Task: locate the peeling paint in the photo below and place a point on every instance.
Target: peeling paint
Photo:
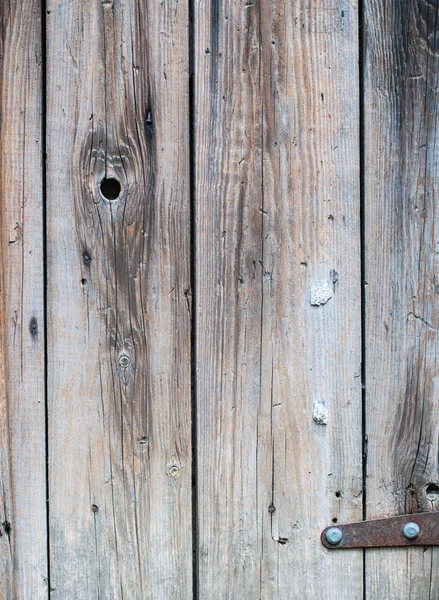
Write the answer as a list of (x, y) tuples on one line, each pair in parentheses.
[(320, 413), (321, 292)]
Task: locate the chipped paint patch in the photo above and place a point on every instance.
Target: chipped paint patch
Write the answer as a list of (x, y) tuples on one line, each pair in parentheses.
[(320, 413), (321, 292)]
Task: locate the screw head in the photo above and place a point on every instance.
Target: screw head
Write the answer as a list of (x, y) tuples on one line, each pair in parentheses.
[(411, 531), (333, 536)]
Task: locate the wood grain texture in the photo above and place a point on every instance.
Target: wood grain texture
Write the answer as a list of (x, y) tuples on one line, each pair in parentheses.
[(23, 539), (402, 274), (278, 297), (119, 292)]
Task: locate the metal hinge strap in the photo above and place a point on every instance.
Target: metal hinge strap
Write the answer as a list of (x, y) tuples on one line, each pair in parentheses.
[(420, 529)]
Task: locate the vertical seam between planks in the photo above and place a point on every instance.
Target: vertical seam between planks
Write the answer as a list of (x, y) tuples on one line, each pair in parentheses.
[(44, 236), (361, 69), (193, 279)]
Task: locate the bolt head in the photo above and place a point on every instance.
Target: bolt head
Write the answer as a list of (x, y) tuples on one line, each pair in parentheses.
[(411, 531), (333, 536)]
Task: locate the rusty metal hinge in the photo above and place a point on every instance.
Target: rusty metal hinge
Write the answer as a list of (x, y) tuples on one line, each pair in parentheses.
[(421, 529)]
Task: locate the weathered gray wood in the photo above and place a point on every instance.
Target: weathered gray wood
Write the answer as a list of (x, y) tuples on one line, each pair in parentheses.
[(402, 261), (278, 297), (118, 289), (23, 540)]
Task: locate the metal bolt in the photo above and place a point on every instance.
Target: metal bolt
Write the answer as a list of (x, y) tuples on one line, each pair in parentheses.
[(124, 362), (333, 536), (411, 531)]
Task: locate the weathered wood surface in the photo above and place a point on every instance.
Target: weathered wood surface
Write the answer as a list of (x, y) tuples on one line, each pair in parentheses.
[(277, 297), (277, 319), (119, 300), (402, 274), (23, 540)]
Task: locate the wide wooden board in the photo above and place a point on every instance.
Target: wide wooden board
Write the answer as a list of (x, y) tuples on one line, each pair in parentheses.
[(278, 297), (119, 297)]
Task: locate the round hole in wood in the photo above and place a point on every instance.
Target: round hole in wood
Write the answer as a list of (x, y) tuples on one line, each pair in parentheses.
[(432, 491), (110, 188)]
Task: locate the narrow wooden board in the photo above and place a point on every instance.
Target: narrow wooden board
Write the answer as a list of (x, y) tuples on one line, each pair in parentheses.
[(402, 274), (23, 539), (119, 297), (278, 297)]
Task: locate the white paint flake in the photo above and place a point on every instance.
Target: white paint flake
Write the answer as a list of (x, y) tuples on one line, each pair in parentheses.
[(321, 292), (320, 413)]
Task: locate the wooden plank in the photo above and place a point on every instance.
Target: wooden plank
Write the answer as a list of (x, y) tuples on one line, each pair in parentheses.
[(278, 297), (119, 292), (23, 542), (402, 274)]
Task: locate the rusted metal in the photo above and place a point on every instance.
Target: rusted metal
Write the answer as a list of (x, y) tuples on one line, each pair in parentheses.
[(387, 532)]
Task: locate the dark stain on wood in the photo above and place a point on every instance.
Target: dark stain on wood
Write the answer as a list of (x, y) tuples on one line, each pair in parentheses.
[(413, 86), (123, 230), (33, 327)]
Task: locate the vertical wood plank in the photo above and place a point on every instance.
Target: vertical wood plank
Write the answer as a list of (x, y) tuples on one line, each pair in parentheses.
[(278, 296), (23, 541), (402, 274), (119, 291)]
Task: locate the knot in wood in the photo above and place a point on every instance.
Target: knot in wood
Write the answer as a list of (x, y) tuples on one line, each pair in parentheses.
[(124, 361), (174, 471)]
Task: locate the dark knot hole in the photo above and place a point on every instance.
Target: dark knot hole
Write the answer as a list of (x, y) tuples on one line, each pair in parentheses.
[(110, 188), (432, 491)]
